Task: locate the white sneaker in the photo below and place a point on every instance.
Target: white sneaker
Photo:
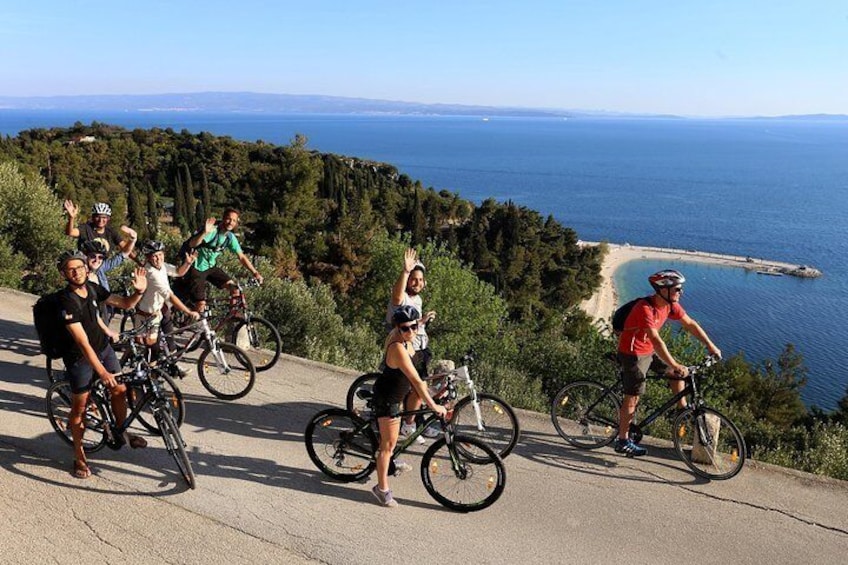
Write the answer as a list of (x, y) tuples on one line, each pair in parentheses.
[(433, 430), (408, 429)]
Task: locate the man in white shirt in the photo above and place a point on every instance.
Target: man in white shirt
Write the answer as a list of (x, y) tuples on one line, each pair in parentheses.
[(158, 292)]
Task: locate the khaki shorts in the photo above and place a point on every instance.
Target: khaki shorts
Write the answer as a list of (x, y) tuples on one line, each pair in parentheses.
[(153, 330), (634, 371)]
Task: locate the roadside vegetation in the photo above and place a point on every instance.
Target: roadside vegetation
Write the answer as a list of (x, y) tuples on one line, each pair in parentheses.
[(328, 233)]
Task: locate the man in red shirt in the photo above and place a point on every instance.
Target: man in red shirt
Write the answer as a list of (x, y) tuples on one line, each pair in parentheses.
[(641, 348)]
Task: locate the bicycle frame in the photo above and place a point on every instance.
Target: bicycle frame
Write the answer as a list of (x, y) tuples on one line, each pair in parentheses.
[(152, 393), (464, 375)]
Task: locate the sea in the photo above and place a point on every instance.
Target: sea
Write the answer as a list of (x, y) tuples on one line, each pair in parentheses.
[(768, 188)]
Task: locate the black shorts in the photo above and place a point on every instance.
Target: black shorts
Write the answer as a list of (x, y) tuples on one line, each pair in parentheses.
[(634, 371), (193, 284), (385, 409), (80, 372)]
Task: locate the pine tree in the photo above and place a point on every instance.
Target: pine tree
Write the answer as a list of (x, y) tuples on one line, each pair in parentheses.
[(190, 200)]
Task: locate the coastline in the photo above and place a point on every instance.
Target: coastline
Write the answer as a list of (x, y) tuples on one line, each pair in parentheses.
[(603, 303)]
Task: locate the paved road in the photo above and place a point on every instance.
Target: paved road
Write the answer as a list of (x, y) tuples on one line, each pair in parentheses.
[(259, 499)]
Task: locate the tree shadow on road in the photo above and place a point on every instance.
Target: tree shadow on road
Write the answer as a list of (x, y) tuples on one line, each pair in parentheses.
[(19, 338)]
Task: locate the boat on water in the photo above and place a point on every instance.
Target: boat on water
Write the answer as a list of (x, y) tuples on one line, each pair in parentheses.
[(771, 273)]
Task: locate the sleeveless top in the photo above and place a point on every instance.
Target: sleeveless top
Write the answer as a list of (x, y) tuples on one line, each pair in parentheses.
[(392, 386)]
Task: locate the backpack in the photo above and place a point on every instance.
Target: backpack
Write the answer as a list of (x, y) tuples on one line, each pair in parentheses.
[(620, 315), (185, 247), (53, 336)]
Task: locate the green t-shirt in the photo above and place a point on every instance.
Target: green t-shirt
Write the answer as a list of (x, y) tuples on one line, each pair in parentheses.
[(213, 245)]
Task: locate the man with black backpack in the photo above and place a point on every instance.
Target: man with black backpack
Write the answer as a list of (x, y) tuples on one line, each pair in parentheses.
[(88, 352), (640, 347), (208, 245)]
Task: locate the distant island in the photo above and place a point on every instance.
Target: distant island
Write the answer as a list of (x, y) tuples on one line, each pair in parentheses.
[(263, 103)]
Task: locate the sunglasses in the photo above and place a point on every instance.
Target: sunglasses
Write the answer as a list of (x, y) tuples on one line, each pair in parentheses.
[(409, 328), (96, 256), (677, 289)]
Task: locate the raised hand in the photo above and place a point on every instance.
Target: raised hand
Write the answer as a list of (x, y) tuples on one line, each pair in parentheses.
[(410, 259), (191, 256), (130, 232), (71, 208), (139, 280), (210, 226)]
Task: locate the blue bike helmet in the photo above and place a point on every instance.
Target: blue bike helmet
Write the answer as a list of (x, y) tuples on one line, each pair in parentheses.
[(405, 314)]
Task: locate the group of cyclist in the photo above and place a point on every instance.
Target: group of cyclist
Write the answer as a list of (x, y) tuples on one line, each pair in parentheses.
[(86, 301), (399, 388)]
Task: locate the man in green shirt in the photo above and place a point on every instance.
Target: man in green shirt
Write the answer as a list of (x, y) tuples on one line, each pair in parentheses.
[(200, 266)]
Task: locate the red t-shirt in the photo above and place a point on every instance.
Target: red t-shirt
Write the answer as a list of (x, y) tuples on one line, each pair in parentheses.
[(634, 339)]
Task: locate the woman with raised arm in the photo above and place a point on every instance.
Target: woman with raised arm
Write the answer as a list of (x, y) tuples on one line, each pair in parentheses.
[(398, 378)]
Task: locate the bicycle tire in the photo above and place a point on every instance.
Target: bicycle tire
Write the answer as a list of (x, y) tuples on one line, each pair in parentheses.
[(175, 445), (355, 404), (232, 382), (55, 370), (459, 483), (341, 444), (722, 451), (584, 415), (260, 340), (58, 408), (173, 398), (501, 428)]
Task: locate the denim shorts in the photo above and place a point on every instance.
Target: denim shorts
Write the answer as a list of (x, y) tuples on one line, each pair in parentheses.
[(80, 373)]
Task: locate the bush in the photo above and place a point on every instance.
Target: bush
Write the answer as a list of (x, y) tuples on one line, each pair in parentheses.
[(31, 223), (310, 327), (11, 264)]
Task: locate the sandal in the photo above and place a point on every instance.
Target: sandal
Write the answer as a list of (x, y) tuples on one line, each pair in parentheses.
[(134, 441), (81, 469)]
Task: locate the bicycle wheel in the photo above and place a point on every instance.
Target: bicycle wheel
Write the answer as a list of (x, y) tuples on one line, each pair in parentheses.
[(459, 483), (173, 397), (58, 406), (585, 414), (341, 444), (500, 425), (359, 395), (175, 445), (55, 370), (228, 373), (260, 340), (709, 443)]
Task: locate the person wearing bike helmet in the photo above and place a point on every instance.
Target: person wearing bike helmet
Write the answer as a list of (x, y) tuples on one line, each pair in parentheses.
[(399, 376), (92, 354), (98, 228), (640, 349), (158, 292), (407, 292)]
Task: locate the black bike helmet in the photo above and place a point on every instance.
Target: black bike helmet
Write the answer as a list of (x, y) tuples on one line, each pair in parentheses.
[(405, 314), (93, 246), (69, 256), (150, 246)]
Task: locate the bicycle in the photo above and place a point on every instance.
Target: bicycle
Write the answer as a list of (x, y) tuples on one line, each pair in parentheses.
[(225, 370), (100, 419), (461, 473), (586, 415), (482, 415), (255, 335), (133, 355)]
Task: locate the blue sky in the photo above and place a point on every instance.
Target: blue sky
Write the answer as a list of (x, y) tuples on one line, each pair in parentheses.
[(709, 58)]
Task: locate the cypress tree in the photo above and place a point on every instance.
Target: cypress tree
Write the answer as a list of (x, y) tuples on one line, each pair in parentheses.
[(190, 200), (152, 213)]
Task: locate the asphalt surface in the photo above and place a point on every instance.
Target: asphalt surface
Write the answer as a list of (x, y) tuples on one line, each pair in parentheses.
[(259, 499)]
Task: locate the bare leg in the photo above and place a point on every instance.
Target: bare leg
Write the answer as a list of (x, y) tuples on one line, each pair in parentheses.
[(389, 428), (625, 415), (78, 402)]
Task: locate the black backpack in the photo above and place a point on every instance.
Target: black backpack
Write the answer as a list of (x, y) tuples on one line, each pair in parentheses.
[(620, 315), (53, 336)]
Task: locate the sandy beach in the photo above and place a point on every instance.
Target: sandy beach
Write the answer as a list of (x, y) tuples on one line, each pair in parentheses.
[(603, 303)]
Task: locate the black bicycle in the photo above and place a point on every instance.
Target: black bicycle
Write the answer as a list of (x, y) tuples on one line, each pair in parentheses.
[(484, 416), (586, 415), (462, 473), (100, 423)]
